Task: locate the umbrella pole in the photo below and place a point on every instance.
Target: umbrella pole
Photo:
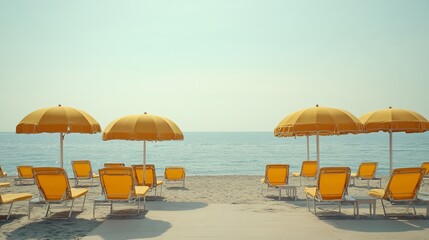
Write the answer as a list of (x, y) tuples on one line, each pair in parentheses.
[(61, 149), (308, 149), (144, 162), (318, 154), (390, 152)]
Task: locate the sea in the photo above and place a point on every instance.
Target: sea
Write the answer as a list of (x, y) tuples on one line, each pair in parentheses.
[(215, 153)]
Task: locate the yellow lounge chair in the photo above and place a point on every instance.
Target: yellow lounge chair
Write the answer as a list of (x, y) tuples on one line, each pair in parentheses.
[(308, 170), (119, 186), (331, 187), (25, 174), (174, 174), (10, 198), (366, 171), (83, 171), (276, 176), (403, 187), (2, 173), (4, 184), (114, 165), (54, 188), (151, 180)]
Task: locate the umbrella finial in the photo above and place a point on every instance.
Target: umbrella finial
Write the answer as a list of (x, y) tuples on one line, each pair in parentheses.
[(59, 105), (390, 107), (145, 112), (317, 105)]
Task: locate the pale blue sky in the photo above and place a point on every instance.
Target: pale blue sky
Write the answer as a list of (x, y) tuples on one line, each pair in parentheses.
[(224, 65)]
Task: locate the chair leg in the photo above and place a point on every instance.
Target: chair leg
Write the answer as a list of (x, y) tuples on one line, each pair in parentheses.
[(47, 210), (29, 209), (384, 209), (10, 209), (93, 210), (315, 206), (71, 208), (414, 208), (83, 204)]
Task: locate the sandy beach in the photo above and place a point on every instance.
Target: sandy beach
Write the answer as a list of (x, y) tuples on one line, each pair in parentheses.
[(244, 191)]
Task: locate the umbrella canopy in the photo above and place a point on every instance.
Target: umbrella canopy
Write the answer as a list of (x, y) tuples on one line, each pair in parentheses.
[(394, 120), (318, 121), (59, 119), (144, 127)]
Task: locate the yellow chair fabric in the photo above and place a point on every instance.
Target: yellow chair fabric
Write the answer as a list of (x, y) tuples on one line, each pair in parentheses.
[(331, 187), (2, 173), (54, 188), (150, 180), (308, 170), (10, 198), (119, 186), (275, 175), (366, 171), (82, 170), (174, 174), (114, 165), (25, 174), (403, 186)]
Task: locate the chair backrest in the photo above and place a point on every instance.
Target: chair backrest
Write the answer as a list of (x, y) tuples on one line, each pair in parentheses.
[(82, 168), (309, 168), (174, 173), (114, 165), (332, 183), (425, 165), (2, 174), (404, 183), (277, 174), (25, 172), (150, 175), (117, 183), (53, 183), (367, 170)]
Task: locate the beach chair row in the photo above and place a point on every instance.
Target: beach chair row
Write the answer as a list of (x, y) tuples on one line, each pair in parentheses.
[(333, 182), (119, 184)]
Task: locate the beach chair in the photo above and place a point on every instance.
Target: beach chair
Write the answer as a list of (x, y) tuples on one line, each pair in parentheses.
[(366, 171), (331, 188), (4, 184), (119, 186), (425, 165), (114, 165), (175, 174), (2, 173), (11, 198), (403, 187), (308, 170), (151, 180), (54, 188), (83, 171), (276, 176), (25, 175)]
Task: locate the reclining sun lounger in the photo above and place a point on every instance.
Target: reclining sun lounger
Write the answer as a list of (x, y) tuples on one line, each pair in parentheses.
[(82, 170), (403, 187), (119, 186), (54, 188), (331, 187)]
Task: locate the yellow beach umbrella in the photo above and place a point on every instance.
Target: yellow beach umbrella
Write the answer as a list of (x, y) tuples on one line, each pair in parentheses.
[(394, 120), (144, 127), (59, 119), (318, 121)]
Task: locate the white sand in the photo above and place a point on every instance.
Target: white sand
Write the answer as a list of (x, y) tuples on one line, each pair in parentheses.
[(239, 190)]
